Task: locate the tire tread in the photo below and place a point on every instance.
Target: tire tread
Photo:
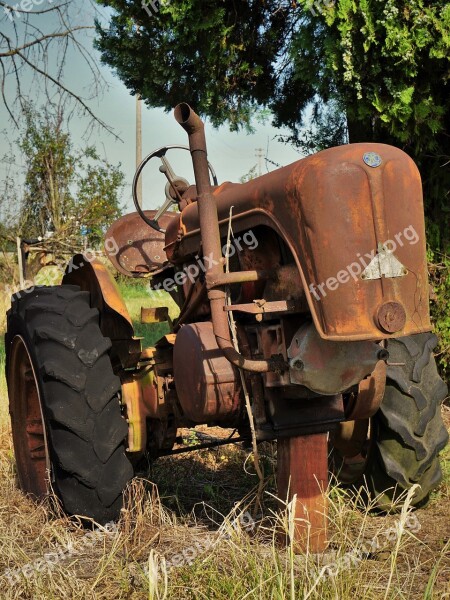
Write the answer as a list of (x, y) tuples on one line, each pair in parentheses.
[(80, 396)]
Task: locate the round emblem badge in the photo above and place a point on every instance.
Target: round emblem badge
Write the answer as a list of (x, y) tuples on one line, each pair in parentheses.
[(372, 159)]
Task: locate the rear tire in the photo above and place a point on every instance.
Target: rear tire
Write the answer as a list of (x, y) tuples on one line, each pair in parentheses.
[(407, 432), (66, 418)]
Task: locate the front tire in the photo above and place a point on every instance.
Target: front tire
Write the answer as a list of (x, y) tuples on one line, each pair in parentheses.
[(67, 426), (407, 433)]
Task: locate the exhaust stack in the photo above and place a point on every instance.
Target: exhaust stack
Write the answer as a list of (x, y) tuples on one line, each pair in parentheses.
[(216, 279)]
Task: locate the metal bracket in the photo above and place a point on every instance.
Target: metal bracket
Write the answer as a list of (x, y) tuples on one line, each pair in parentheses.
[(259, 307)]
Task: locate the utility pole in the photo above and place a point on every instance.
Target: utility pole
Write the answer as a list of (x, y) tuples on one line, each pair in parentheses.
[(139, 135), (139, 144), (20, 260), (259, 155)]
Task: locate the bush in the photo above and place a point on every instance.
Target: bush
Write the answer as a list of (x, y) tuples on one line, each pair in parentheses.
[(9, 272), (439, 268)]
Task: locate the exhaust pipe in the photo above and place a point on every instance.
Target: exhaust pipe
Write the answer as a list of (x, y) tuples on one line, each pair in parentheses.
[(211, 246), (207, 208)]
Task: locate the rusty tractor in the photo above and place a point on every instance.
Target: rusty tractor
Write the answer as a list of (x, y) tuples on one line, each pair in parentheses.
[(304, 318)]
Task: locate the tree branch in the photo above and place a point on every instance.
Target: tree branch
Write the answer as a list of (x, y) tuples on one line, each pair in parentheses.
[(5, 102), (10, 8), (69, 92), (40, 40), (42, 45)]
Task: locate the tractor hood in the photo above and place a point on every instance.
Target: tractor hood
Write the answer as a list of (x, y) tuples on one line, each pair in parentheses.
[(353, 219)]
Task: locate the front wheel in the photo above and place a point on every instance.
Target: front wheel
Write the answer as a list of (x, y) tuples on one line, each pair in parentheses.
[(68, 430), (401, 444)]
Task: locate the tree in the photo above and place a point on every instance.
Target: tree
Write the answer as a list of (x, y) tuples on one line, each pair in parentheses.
[(388, 61), (217, 55), (98, 195), (368, 70), (67, 192), (37, 44), (379, 69), (47, 203)]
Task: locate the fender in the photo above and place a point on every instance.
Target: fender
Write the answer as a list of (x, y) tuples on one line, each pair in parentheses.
[(115, 322), (338, 215)]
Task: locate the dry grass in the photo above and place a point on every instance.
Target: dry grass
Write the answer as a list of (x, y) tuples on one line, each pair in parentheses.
[(4, 306), (196, 522), (131, 563)]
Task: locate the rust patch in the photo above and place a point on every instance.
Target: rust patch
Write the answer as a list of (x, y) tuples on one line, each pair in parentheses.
[(391, 317), (332, 210), (370, 394), (138, 249), (207, 384)]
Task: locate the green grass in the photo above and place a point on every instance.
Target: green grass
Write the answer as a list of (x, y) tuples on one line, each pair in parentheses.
[(442, 493), (139, 295)]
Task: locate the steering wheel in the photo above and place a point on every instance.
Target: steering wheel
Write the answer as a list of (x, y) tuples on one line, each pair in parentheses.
[(173, 186)]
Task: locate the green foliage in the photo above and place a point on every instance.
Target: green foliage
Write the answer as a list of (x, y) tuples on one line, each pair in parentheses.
[(392, 64), (386, 61), (219, 56), (439, 267), (327, 128), (98, 198), (65, 188), (50, 170)]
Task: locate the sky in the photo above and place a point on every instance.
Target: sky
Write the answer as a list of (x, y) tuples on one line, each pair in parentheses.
[(231, 154)]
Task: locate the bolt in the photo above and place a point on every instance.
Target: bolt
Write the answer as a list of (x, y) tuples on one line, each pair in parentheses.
[(383, 354), (297, 364)]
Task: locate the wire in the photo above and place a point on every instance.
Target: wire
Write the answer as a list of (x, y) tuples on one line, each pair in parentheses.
[(248, 406)]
